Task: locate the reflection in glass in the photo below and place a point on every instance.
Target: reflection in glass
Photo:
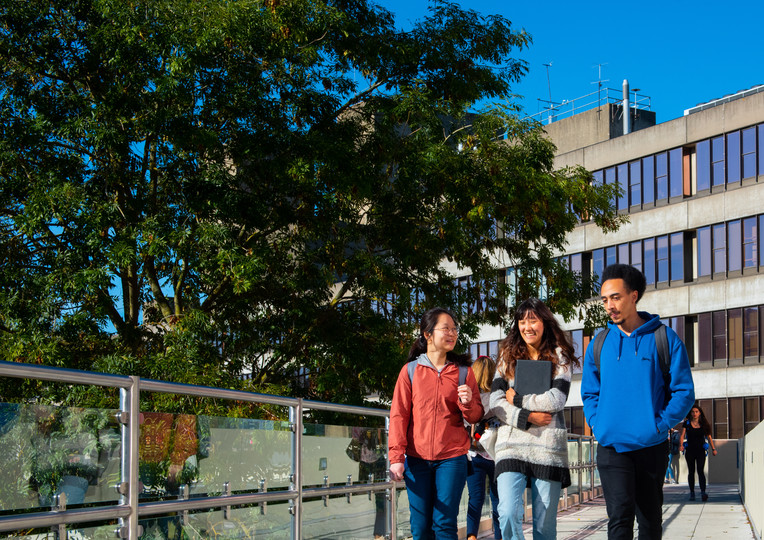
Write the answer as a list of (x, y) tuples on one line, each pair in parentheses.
[(47, 450)]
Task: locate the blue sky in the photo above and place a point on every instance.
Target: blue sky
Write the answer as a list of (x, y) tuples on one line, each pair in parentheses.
[(680, 54)]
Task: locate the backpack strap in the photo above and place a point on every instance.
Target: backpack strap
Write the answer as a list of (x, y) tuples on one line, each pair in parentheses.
[(661, 343), (411, 366), (599, 340)]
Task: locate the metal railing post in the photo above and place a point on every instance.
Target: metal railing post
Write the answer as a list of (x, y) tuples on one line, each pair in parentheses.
[(392, 506), (295, 421)]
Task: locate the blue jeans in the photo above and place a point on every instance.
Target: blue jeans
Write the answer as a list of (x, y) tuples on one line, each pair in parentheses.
[(483, 469), (545, 498), (435, 489)]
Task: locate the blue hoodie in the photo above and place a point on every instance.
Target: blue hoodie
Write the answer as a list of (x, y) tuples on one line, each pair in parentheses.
[(624, 399)]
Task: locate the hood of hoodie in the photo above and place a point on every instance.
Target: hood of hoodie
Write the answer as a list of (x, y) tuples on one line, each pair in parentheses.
[(635, 338)]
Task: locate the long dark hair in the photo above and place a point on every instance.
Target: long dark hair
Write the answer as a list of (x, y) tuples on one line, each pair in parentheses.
[(513, 347), (702, 420), (426, 326)]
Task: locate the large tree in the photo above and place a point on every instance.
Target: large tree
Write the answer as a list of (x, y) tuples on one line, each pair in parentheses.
[(196, 189)]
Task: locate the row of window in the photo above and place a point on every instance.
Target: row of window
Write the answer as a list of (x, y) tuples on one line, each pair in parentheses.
[(681, 172), (721, 338), (730, 418), (723, 249)]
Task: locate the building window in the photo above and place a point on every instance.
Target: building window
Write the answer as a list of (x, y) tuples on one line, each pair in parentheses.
[(751, 334), (676, 173), (648, 180), (761, 241), (733, 157), (761, 147), (611, 179), (735, 334), (749, 153), (703, 165), (734, 246), (636, 255), (661, 176), (719, 332), (717, 161), (623, 253), (719, 246), (752, 413), (662, 258), (677, 256), (705, 341), (749, 243), (704, 251), (611, 256), (622, 172), (598, 264), (649, 260), (577, 339), (720, 418), (736, 418), (635, 183)]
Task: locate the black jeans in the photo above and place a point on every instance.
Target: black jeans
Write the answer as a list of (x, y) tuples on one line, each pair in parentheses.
[(633, 487), (696, 461)]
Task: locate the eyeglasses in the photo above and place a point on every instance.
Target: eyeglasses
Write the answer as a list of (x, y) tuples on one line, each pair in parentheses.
[(449, 330)]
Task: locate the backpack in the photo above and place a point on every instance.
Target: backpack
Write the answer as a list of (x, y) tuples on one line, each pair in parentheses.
[(661, 343), (674, 449)]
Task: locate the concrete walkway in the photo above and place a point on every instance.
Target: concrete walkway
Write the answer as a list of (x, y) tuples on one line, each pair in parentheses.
[(722, 516)]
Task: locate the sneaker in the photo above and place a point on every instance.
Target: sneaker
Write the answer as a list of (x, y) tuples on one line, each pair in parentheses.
[(704, 496), (692, 496)]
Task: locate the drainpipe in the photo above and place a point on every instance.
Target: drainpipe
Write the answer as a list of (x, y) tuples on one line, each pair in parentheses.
[(626, 112)]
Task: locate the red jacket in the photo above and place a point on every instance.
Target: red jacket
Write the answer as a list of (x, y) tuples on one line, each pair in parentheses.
[(431, 425)]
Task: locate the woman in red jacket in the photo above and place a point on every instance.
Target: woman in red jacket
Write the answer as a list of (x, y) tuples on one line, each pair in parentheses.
[(428, 443)]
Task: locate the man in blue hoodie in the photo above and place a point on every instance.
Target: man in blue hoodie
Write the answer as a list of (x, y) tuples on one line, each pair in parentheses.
[(629, 407)]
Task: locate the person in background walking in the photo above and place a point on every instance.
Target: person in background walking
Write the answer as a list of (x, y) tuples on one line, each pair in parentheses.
[(532, 442), (672, 470), (427, 441), (695, 440), (482, 463)]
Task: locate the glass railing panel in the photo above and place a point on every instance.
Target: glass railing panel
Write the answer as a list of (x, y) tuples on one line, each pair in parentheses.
[(339, 519), (403, 515), (238, 523), (46, 450), (206, 452), (333, 453)]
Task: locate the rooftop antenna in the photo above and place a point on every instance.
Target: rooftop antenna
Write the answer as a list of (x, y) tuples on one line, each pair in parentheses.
[(599, 82), (549, 87)]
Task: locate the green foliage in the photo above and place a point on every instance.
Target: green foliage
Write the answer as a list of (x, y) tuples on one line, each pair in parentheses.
[(264, 187)]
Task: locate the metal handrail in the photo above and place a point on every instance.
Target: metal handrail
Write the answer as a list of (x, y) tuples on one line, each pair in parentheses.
[(130, 509)]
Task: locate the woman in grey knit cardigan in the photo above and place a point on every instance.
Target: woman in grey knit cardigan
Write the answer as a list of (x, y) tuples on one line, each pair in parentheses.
[(532, 442)]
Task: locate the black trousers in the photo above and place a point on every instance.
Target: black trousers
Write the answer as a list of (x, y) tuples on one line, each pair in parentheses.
[(696, 461), (633, 487)]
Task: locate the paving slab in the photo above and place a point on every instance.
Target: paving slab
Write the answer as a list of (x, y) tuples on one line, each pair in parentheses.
[(722, 516)]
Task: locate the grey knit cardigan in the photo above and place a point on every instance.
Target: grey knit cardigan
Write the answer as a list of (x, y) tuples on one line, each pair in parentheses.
[(536, 451)]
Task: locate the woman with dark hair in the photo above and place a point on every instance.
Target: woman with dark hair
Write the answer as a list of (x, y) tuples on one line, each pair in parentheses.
[(427, 441), (695, 440), (484, 369), (532, 444)]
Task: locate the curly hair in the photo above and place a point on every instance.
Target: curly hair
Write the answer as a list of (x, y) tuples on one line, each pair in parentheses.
[(513, 347)]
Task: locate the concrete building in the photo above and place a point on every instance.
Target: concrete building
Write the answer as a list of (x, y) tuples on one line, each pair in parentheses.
[(693, 189)]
